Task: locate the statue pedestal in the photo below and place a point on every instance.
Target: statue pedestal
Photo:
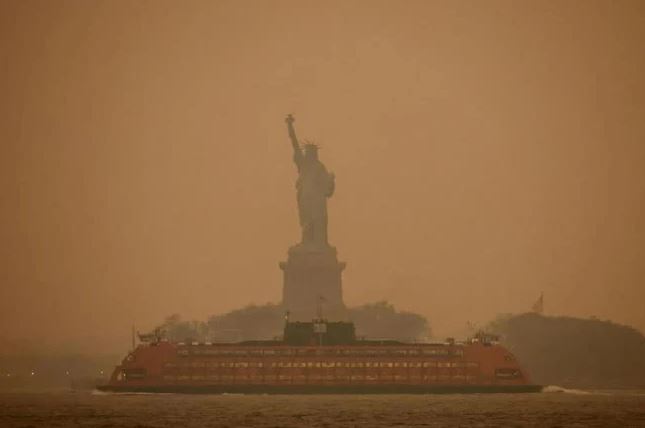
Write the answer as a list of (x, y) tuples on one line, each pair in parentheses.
[(312, 273)]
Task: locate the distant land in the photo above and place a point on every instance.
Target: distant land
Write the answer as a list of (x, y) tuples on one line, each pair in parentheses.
[(574, 352), (373, 320)]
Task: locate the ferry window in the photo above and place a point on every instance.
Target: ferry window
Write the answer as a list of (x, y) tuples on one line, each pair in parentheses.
[(137, 373), (413, 352), (435, 351), (310, 364), (507, 373)]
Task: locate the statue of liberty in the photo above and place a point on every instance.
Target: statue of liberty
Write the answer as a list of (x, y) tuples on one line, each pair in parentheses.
[(314, 186)]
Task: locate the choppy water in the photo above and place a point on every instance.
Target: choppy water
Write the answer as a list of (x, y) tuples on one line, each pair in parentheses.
[(556, 408)]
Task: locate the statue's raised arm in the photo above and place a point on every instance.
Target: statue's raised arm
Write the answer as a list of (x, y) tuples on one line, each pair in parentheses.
[(297, 151), (313, 187)]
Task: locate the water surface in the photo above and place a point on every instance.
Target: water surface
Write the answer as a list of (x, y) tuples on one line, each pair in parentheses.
[(557, 408)]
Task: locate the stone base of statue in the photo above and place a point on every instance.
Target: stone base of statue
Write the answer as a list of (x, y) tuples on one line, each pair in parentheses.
[(312, 283)]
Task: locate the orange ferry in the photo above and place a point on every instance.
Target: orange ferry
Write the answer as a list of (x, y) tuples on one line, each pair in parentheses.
[(320, 357)]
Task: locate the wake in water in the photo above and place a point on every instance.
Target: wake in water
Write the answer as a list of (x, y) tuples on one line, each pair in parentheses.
[(556, 388)]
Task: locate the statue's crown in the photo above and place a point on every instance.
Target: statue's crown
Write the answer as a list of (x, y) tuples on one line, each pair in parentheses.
[(310, 145)]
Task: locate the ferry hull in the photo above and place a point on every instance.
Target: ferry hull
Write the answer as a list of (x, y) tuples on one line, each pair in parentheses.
[(322, 389)]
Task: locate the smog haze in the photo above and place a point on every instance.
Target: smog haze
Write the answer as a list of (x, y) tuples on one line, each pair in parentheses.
[(484, 152)]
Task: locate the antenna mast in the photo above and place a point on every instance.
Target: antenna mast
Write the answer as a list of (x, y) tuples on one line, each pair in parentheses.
[(133, 339)]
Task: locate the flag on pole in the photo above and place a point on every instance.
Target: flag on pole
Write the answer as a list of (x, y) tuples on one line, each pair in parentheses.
[(538, 306)]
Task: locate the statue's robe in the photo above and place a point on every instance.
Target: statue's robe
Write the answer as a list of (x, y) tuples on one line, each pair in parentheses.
[(314, 186)]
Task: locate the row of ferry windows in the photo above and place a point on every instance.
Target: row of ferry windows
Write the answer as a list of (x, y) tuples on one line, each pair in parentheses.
[(198, 350), (283, 377), (323, 364)]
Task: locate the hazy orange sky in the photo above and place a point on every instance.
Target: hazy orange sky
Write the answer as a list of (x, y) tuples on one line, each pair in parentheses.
[(484, 151)]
